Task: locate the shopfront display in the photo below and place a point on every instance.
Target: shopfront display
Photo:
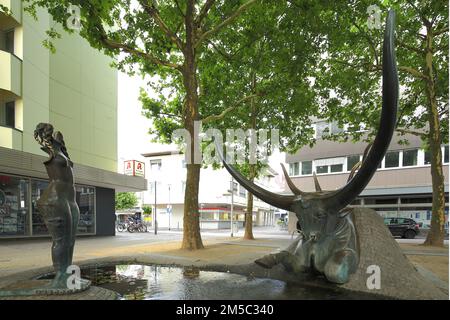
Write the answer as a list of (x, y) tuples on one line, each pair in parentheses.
[(19, 216), (14, 217)]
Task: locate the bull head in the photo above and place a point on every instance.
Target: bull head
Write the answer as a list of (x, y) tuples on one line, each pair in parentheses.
[(320, 210)]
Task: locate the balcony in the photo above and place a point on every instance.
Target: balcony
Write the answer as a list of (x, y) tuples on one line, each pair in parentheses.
[(10, 138), (11, 75), (15, 6)]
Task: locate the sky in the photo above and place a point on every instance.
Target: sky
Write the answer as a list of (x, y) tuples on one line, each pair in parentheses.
[(133, 137)]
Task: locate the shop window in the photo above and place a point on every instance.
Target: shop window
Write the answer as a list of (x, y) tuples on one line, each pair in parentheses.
[(352, 161), (37, 188), (14, 218), (409, 158), (85, 197), (306, 167), (391, 160)]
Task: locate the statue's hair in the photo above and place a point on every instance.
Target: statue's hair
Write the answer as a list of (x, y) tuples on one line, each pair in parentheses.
[(58, 136)]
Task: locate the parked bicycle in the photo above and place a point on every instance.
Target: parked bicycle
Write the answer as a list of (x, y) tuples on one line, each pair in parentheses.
[(122, 226), (137, 226)]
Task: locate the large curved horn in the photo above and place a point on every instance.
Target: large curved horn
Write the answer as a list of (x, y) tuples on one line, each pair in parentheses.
[(290, 184), (316, 182), (276, 200), (351, 190), (358, 165)]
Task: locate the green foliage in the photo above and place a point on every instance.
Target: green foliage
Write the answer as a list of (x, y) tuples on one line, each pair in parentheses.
[(147, 209), (5, 10), (348, 75), (126, 200)]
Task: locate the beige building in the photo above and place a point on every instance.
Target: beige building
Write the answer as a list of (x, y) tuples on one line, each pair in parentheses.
[(74, 89), (401, 187)]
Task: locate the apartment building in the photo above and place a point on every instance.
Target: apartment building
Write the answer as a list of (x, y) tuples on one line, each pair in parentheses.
[(76, 91), (167, 171), (401, 187)]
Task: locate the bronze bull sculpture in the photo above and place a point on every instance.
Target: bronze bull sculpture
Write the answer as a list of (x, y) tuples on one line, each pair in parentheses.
[(329, 243)]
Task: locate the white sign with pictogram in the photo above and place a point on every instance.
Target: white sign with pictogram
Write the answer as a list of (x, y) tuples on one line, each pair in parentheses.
[(134, 168)]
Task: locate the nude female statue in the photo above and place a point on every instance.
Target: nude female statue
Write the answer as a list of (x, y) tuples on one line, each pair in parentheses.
[(57, 203)]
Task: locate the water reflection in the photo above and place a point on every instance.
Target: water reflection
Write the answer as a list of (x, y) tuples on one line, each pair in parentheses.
[(142, 282)]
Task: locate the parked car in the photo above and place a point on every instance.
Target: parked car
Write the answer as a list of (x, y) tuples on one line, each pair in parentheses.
[(402, 227)]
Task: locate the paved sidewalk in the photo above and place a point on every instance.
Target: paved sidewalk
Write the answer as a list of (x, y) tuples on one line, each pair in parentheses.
[(22, 255)]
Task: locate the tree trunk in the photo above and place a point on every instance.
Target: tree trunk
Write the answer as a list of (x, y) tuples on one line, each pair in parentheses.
[(192, 239), (248, 234), (436, 235)]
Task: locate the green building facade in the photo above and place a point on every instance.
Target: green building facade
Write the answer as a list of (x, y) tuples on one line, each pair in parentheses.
[(74, 89)]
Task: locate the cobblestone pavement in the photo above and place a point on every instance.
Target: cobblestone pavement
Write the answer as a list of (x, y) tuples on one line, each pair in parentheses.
[(93, 293)]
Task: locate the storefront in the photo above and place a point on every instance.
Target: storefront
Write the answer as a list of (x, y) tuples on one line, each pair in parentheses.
[(19, 216), (23, 178)]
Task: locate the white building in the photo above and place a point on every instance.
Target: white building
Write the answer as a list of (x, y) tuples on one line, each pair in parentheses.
[(168, 169)]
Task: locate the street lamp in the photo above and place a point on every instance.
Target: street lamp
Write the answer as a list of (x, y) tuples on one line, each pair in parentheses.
[(156, 222), (230, 193), (232, 204), (169, 207)]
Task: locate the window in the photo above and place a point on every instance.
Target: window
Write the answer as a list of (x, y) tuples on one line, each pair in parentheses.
[(409, 158), (427, 157), (293, 169), (8, 114), (391, 160), (183, 163), (446, 154), (155, 165), (321, 129), (427, 154), (235, 188), (336, 168), (85, 197), (37, 188), (14, 218), (335, 129), (306, 167), (351, 162), (322, 169), (242, 192), (9, 41)]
